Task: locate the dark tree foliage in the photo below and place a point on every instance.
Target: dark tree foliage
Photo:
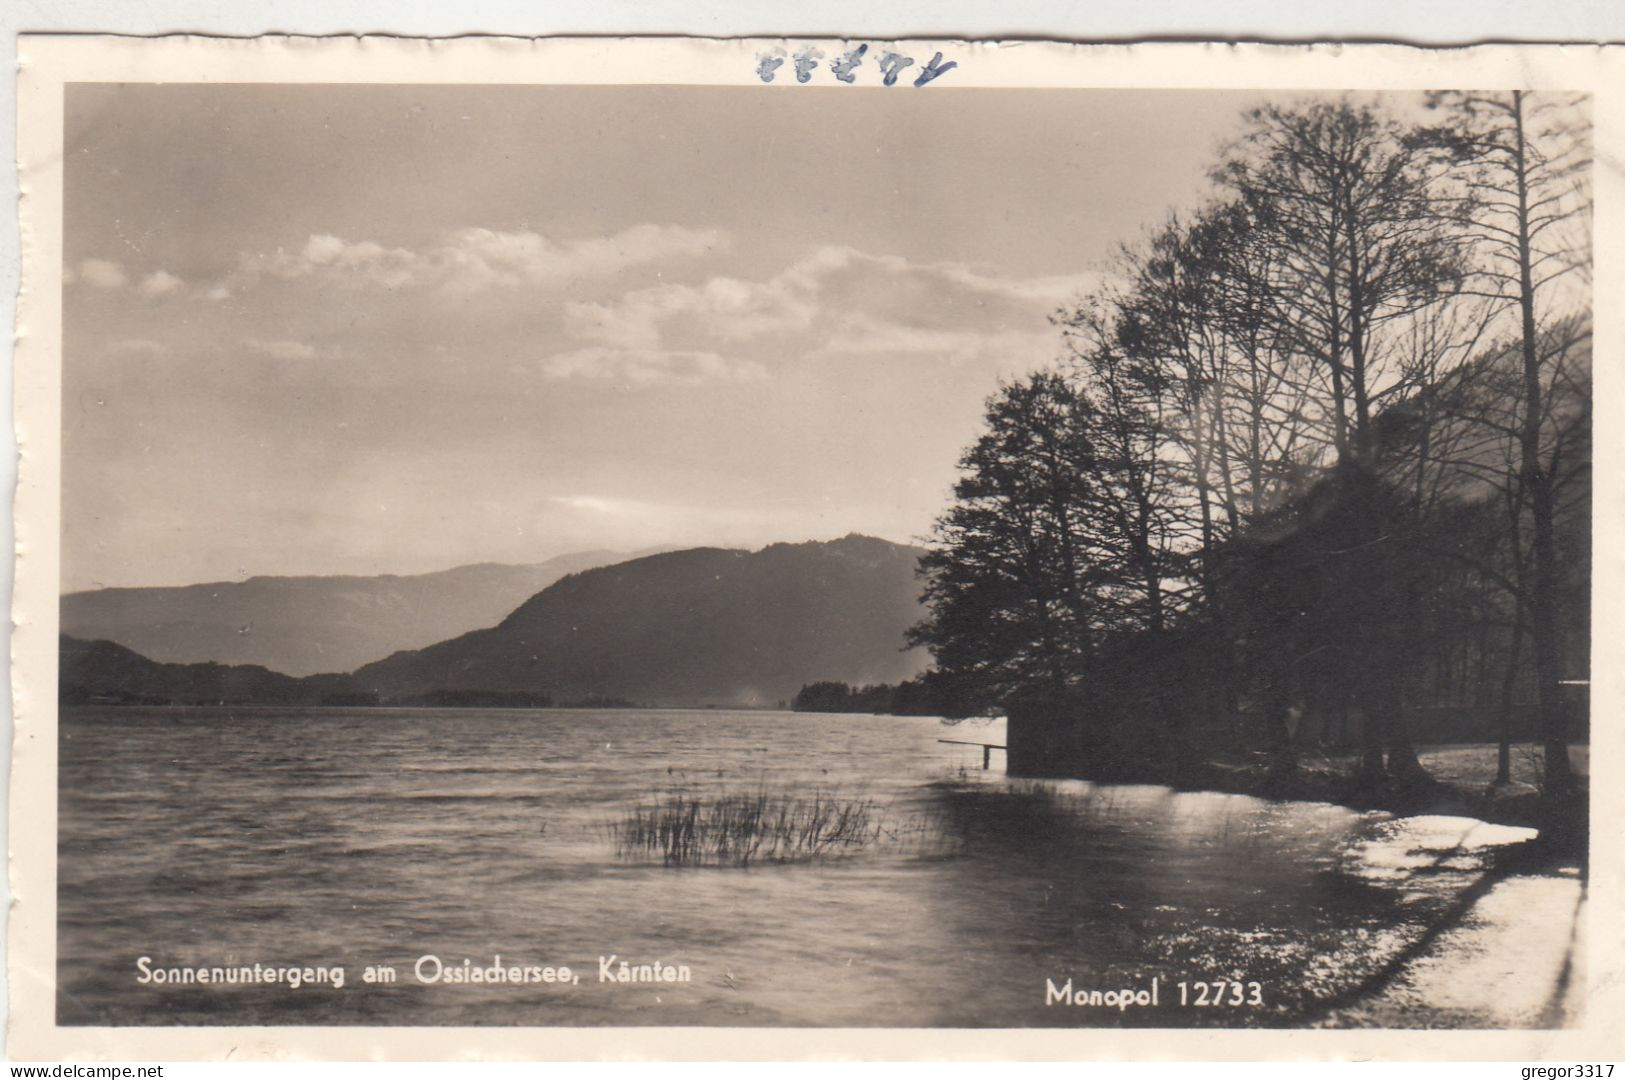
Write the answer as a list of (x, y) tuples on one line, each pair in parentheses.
[(1058, 540), (928, 695), (1315, 460), (1005, 582)]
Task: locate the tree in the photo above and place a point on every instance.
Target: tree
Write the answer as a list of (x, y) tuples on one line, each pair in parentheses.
[(1485, 412), (1349, 206), (1060, 536), (1524, 162), (1007, 575), (1324, 442), (1264, 414), (1138, 510), (1197, 328), (1170, 330)]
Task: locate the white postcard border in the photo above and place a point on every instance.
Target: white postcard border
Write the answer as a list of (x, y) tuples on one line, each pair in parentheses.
[(49, 62)]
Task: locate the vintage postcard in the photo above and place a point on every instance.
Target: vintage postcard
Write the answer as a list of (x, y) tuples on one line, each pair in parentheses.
[(772, 548)]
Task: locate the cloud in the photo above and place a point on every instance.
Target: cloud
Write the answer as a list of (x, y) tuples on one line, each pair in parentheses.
[(728, 308), (672, 519), (1013, 351), (1054, 290), (351, 262), (102, 273), (283, 350), (476, 259), (158, 283), (605, 505), (642, 367), (837, 299), (107, 274)]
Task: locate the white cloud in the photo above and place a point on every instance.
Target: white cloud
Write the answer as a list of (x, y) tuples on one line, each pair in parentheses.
[(1054, 290), (107, 274), (642, 367), (838, 299), (158, 283), (283, 350), (102, 273), (1011, 351), (605, 505), (672, 519), (476, 259), (724, 307), (356, 263)]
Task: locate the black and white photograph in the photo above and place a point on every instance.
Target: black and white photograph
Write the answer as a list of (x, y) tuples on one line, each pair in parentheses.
[(847, 548)]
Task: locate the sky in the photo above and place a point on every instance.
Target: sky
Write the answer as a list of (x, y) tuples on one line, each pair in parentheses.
[(392, 329)]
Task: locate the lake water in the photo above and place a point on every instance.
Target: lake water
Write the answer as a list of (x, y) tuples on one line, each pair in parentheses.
[(216, 838)]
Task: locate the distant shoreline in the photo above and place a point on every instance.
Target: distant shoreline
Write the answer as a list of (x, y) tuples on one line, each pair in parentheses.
[(86, 705)]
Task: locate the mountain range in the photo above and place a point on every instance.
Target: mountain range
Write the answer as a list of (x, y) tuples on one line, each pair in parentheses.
[(92, 672), (306, 625), (703, 626)]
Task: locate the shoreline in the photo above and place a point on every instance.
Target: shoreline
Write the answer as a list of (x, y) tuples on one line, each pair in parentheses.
[(1460, 782)]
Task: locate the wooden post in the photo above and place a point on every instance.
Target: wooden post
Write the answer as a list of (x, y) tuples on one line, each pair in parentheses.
[(987, 749)]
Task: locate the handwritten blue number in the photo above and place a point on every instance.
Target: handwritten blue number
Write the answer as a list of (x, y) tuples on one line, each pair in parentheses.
[(935, 68), (891, 64), (766, 66), (806, 60), (844, 67)]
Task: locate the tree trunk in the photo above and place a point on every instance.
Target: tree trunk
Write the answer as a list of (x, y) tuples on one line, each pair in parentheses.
[(1400, 685), (1509, 684), (1277, 703), (1357, 345), (1403, 763), (1372, 769), (1340, 423), (1543, 598)]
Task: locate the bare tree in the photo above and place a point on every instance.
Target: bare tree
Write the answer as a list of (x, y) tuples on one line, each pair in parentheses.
[(1524, 164), (1349, 205)]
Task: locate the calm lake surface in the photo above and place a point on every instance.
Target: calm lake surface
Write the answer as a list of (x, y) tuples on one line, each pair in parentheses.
[(357, 838)]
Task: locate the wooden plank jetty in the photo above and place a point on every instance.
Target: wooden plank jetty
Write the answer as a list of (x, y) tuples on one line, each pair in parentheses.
[(987, 748)]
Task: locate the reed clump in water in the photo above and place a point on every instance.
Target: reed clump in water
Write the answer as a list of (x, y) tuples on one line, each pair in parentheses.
[(687, 828)]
